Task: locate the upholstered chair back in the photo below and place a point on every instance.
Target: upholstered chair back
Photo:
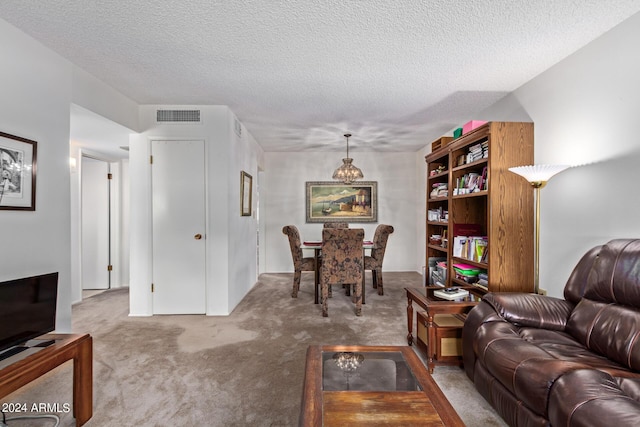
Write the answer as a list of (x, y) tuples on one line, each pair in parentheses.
[(380, 238), (336, 225), (342, 262), (294, 243)]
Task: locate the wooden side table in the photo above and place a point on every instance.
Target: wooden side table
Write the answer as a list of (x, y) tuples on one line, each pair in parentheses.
[(449, 315), (447, 340), (78, 348)]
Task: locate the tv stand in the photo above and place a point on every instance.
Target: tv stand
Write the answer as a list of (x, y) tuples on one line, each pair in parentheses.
[(33, 343), (65, 347)]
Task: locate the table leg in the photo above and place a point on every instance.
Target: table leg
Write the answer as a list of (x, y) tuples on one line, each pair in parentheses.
[(83, 382), (431, 343), (316, 259), (410, 320)]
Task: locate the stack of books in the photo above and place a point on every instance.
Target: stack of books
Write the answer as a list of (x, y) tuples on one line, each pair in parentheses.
[(478, 151), (483, 280), (440, 189), (467, 272), (439, 274)]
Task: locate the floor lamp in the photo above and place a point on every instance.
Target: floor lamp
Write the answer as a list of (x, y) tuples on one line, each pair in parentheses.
[(538, 176)]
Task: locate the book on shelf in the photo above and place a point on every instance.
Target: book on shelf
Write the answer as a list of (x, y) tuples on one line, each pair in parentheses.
[(462, 229), (451, 294), (470, 247)]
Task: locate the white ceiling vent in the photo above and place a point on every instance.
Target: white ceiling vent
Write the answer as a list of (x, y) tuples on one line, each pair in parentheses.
[(178, 116)]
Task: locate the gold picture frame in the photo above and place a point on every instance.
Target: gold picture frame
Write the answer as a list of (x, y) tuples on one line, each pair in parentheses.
[(328, 201), (246, 184)]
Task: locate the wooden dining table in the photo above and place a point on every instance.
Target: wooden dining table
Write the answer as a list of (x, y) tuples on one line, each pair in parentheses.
[(316, 246)]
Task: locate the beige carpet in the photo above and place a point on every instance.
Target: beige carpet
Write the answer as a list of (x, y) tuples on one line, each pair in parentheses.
[(246, 369)]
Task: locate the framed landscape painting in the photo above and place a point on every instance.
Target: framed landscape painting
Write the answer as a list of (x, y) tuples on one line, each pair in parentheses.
[(338, 202), (17, 173)]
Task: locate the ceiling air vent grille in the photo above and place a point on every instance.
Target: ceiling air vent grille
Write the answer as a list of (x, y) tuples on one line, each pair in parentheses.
[(178, 116)]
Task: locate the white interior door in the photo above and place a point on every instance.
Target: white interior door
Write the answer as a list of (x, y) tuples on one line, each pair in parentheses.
[(178, 191), (95, 224)]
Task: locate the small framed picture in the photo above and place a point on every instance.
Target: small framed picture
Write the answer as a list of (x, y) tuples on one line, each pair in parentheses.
[(246, 182), (17, 173)]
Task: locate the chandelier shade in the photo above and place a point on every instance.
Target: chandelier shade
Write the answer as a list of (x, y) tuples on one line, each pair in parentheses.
[(347, 172)]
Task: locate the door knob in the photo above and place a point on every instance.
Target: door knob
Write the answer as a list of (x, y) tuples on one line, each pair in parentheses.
[(198, 236)]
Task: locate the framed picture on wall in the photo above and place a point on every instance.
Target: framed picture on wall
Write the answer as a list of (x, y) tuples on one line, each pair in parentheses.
[(337, 202), (17, 173), (246, 182)]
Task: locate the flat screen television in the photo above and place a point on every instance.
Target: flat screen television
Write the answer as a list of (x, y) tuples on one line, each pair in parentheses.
[(27, 308)]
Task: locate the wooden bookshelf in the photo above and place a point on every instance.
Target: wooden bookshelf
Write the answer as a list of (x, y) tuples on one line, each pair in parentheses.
[(501, 205)]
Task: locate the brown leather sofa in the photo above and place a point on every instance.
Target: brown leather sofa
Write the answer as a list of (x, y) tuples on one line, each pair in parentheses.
[(543, 361)]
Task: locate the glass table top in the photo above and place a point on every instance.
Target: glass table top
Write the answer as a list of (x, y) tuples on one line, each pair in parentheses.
[(367, 371)]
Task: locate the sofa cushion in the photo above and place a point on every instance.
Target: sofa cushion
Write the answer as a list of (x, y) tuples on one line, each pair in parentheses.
[(587, 397), (527, 361), (610, 330)]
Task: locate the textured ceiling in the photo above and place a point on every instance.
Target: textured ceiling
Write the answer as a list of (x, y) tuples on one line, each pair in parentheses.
[(397, 74)]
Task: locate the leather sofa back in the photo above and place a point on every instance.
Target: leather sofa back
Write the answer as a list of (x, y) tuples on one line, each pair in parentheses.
[(607, 318), (575, 287)]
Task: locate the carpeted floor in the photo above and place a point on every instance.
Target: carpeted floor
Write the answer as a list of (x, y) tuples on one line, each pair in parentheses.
[(245, 369)]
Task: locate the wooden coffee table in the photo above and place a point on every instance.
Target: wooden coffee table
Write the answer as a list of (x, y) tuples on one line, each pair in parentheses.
[(373, 386)]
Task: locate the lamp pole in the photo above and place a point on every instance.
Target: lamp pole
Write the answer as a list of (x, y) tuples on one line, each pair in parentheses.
[(537, 176), (537, 186)]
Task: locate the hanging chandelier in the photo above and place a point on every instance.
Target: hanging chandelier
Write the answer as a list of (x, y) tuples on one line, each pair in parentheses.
[(347, 172)]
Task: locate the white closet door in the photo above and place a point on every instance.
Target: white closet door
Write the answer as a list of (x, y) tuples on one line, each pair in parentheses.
[(178, 181), (95, 224)]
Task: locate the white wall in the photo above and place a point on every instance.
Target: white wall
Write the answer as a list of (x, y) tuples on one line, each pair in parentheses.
[(585, 111), (283, 198), (35, 102), (231, 240)]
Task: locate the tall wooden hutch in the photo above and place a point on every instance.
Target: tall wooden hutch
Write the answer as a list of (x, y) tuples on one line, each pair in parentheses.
[(470, 190)]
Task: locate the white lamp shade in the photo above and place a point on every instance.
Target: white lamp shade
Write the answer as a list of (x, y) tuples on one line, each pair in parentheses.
[(538, 173)]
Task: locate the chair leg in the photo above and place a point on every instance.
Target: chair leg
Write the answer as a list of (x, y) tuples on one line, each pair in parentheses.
[(374, 279), (363, 288), (379, 281), (358, 297), (297, 275), (325, 294)]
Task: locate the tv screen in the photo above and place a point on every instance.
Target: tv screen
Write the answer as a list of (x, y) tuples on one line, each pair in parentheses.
[(27, 308)]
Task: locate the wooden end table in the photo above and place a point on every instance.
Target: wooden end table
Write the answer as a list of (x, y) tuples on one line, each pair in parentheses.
[(433, 306), (382, 385), (78, 348)]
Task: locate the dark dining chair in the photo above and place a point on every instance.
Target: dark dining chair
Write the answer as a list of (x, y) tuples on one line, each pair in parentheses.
[(374, 262), (342, 263), (300, 263), (336, 225)]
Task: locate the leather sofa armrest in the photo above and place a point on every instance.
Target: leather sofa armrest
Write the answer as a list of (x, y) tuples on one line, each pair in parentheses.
[(531, 310)]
